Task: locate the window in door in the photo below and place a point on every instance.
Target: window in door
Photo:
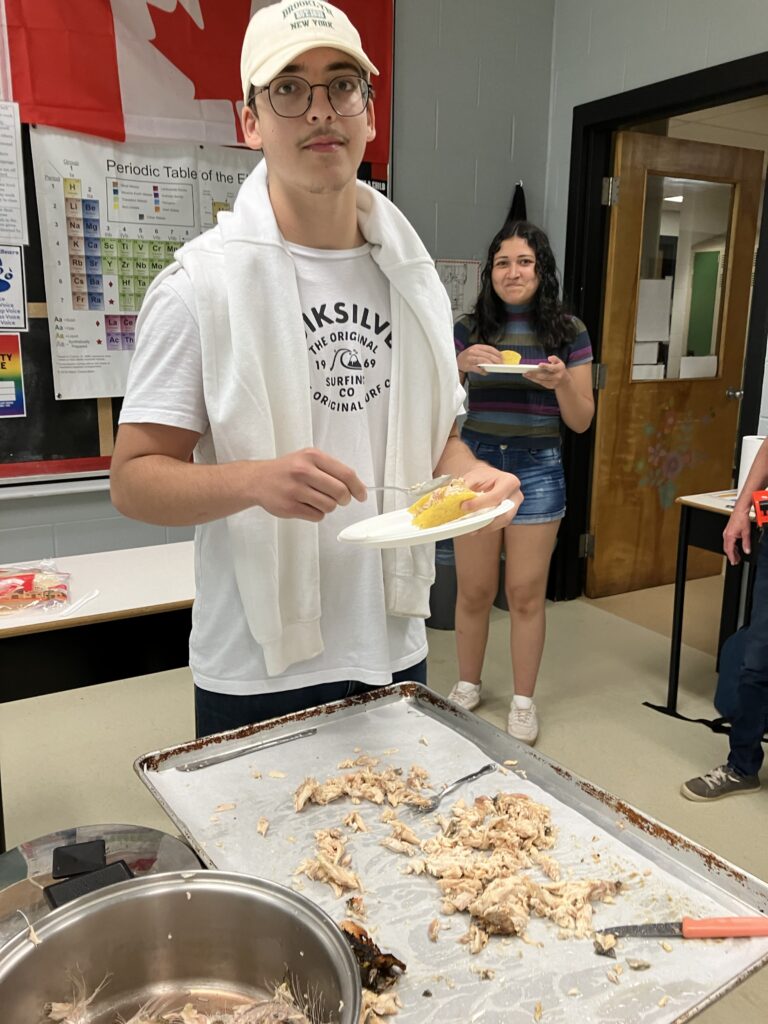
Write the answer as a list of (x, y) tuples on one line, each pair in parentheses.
[(683, 253)]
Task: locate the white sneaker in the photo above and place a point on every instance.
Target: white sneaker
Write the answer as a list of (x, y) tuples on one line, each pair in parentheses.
[(466, 695), (523, 723)]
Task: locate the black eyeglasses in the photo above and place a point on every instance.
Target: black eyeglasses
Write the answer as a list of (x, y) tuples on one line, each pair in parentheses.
[(290, 96)]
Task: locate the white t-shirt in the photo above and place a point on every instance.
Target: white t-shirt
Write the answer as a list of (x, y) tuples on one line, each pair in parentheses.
[(346, 310)]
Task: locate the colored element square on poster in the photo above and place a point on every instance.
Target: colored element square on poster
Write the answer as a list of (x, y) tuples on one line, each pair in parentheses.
[(11, 377)]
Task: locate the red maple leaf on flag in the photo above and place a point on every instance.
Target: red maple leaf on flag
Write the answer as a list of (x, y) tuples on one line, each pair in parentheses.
[(208, 56)]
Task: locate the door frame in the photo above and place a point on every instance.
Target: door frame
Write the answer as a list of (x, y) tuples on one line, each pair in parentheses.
[(584, 265)]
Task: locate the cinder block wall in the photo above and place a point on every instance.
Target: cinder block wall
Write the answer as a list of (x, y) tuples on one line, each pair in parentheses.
[(72, 524), (471, 108)]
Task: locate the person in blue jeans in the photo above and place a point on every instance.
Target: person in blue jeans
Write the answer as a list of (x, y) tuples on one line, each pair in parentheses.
[(513, 423), (740, 773)]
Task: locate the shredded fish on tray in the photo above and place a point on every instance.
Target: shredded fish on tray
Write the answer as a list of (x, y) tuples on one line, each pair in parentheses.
[(332, 862), (480, 856), (376, 1006), (477, 857), (387, 785)]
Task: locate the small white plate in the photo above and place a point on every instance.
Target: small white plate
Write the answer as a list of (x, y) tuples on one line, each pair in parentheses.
[(396, 529), (507, 368)]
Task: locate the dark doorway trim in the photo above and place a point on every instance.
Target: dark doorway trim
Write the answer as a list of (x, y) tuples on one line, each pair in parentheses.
[(585, 250)]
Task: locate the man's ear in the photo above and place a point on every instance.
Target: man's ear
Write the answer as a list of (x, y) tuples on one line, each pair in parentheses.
[(251, 128), (371, 116)]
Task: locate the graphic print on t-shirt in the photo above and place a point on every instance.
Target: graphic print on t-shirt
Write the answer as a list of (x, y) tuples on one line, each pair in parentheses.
[(349, 346)]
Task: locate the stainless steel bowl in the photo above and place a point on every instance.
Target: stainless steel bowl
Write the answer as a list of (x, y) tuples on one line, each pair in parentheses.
[(219, 933)]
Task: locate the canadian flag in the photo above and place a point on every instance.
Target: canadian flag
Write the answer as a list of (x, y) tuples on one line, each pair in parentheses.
[(149, 69)]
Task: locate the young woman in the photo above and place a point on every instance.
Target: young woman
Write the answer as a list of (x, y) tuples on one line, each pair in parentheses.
[(514, 423)]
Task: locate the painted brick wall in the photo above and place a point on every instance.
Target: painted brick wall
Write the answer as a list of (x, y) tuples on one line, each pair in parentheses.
[(72, 524), (471, 105)]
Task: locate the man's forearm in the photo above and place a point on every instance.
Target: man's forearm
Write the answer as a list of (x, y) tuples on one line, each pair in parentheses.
[(456, 459), (165, 491)]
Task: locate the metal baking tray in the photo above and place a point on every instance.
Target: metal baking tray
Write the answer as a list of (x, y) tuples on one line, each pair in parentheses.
[(218, 788)]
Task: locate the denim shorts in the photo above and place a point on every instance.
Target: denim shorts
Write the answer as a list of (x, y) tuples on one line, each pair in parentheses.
[(540, 471)]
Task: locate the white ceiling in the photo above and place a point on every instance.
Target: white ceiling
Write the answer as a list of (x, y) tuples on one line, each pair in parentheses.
[(736, 124)]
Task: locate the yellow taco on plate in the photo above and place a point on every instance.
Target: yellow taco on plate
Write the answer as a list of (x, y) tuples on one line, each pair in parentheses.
[(441, 505), (510, 357)]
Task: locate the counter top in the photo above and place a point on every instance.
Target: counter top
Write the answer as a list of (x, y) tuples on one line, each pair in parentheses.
[(114, 585), (714, 501)]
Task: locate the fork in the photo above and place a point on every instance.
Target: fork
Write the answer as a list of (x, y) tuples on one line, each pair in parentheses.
[(433, 801), (415, 490)]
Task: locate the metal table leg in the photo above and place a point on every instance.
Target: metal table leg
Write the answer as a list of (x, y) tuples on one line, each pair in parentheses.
[(677, 613)]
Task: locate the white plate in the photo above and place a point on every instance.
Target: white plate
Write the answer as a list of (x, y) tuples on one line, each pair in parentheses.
[(506, 368), (396, 529)]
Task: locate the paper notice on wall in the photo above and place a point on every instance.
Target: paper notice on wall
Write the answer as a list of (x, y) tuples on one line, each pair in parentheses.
[(11, 377), (13, 206), (13, 293), (461, 279), (111, 218)]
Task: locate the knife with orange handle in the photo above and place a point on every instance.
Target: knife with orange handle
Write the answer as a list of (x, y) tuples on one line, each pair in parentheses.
[(693, 928)]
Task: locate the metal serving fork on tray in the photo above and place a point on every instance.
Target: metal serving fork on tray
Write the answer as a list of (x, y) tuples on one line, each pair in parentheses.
[(433, 801), (415, 490)]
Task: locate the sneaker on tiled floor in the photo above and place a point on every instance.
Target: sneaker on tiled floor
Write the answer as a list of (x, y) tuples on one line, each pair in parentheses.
[(720, 782), (466, 695), (523, 723)]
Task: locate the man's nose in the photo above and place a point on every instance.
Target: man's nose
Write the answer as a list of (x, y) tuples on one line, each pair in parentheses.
[(320, 104)]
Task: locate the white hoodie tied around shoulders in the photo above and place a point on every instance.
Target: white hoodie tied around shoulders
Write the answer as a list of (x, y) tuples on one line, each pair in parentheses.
[(257, 395)]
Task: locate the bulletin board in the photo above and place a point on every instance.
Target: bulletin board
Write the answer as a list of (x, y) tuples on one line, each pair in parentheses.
[(144, 75), (53, 437)]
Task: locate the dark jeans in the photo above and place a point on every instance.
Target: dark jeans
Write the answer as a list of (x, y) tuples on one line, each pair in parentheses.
[(746, 737), (218, 712)]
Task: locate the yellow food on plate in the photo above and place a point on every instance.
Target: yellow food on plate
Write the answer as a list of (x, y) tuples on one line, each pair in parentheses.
[(441, 505), (510, 357)]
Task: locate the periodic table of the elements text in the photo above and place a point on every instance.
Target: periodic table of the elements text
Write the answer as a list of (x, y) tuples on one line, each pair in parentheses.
[(111, 218)]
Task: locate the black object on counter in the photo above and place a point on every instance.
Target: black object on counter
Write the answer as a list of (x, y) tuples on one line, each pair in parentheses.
[(62, 892), (79, 858)]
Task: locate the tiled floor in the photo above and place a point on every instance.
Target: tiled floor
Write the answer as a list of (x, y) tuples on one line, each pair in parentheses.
[(67, 758)]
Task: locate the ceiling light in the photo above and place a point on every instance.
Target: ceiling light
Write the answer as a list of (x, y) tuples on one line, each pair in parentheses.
[(673, 199)]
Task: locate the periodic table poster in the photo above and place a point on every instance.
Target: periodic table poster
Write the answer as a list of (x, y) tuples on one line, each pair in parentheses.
[(111, 217)]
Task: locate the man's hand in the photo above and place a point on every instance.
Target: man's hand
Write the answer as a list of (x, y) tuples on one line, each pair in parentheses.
[(307, 484), (738, 529), (469, 360), (494, 485)]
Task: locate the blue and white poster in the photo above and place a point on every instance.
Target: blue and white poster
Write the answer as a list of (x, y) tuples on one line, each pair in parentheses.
[(13, 293)]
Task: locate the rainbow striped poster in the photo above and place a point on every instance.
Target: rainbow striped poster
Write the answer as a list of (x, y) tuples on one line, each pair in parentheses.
[(11, 377)]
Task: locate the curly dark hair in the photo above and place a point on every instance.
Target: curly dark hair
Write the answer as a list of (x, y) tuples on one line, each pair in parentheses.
[(553, 326)]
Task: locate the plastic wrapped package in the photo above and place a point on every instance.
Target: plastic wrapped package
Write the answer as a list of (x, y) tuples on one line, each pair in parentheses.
[(35, 586)]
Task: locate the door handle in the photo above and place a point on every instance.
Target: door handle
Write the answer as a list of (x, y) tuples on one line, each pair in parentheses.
[(733, 394)]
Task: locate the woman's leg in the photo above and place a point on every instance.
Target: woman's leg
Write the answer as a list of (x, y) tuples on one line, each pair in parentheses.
[(477, 579), (528, 552)]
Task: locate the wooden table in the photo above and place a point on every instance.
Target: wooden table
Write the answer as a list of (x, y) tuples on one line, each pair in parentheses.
[(702, 521), (138, 622)]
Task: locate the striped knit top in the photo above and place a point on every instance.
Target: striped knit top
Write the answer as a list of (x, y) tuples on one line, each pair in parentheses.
[(507, 408)]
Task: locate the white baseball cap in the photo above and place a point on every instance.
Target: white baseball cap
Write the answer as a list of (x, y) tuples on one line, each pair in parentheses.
[(280, 32)]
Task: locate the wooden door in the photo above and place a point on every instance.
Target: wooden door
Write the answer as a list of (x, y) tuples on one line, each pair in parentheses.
[(672, 434)]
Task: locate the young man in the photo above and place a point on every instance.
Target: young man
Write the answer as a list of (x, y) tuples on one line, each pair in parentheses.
[(739, 774), (302, 351)]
